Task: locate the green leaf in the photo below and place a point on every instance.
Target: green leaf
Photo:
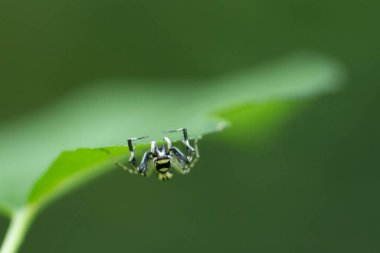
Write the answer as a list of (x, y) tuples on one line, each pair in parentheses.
[(49, 152)]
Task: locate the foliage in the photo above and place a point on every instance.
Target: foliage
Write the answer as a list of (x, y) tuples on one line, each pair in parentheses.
[(57, 149)]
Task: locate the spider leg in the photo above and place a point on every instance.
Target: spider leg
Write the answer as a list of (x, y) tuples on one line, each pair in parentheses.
[(196, 154), (168, 142), (143, 167), (192, 153), (122, 166), (132, 158), (186, 142), (179, 155), (181, 158)]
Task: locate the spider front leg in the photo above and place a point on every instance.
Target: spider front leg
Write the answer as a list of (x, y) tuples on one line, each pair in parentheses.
[(143, 167), (189, 149), (132, 159), (181, 158)]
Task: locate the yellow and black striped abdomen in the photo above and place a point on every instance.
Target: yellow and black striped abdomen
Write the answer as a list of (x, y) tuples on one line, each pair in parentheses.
[(163, 165)]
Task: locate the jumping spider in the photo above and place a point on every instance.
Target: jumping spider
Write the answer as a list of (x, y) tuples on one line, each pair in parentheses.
[(165, 157)]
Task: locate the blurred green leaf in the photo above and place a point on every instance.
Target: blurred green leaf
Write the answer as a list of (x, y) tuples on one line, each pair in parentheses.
[(267, 118), (54, 150)]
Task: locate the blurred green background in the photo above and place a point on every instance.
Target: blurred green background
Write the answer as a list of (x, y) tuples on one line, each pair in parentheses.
[(311, 188)]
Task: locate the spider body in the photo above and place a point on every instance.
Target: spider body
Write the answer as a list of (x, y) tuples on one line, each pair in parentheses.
[(164, 157)]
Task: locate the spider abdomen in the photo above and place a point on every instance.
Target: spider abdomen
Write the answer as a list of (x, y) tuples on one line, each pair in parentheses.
[(163, 165)]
